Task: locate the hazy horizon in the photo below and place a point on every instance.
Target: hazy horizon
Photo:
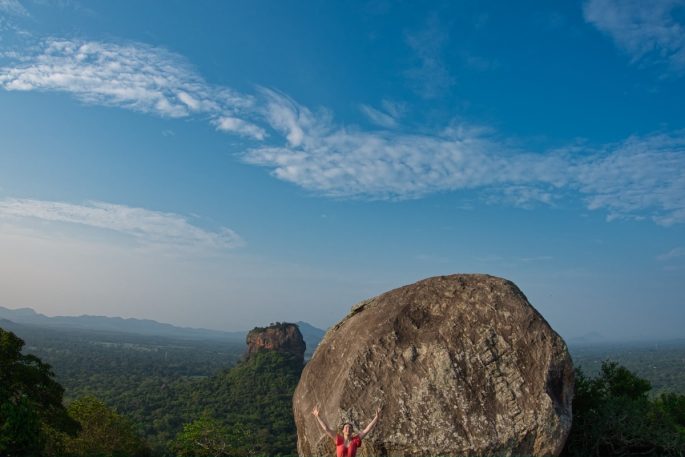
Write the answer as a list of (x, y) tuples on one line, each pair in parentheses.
[(236, 163), (591, 337)]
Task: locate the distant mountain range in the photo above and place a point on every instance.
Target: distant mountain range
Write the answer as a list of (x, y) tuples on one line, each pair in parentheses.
[(312, 337), (27, 316)]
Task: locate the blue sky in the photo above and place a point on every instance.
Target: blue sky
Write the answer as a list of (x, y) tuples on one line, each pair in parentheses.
[(229, 164)]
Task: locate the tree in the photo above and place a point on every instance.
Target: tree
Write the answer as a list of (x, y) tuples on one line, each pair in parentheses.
[(207, 437), (30, 401), (613, 416), (103, 432), (20, 429)]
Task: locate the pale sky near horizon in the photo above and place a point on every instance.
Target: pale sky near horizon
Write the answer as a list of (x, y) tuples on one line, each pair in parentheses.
[(230, 164)]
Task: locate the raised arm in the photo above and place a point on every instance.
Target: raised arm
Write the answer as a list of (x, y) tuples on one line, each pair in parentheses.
[(371, 425), (323, 425)]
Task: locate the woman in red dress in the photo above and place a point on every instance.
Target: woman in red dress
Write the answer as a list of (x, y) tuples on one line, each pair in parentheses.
[(346, 444)]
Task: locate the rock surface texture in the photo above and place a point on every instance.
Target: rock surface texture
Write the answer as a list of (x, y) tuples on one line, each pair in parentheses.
[(281, 337), (461, 365)]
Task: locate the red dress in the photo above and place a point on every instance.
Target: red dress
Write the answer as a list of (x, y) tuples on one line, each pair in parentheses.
[(350, 450)]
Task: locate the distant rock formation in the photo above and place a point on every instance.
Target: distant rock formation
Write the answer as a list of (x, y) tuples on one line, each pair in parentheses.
[(461, 365), (281, 337)]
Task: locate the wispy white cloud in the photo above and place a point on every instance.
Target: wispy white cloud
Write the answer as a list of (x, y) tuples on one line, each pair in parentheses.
[(394, 108), (672, 254), (12, 14), (239, 126), (642, 177), (378, 117), (523, 196), (145, 226), (345, 162), (646, 30), (290, 118), (13, 7), (430, 78), (132, 76)]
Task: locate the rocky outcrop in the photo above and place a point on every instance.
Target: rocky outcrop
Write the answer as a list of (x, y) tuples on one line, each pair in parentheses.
[(461, 365), (281, 337)]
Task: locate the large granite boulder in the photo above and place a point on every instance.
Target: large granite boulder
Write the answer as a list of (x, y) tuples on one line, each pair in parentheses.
[(461, 365), (280, 337)]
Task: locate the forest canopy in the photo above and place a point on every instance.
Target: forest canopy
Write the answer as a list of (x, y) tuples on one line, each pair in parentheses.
[(182, 406)]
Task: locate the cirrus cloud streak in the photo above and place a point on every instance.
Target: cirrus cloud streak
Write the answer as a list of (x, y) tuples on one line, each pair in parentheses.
[(13, 7), (641, 177), (645, 30), (132, 76), (147, 227)]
